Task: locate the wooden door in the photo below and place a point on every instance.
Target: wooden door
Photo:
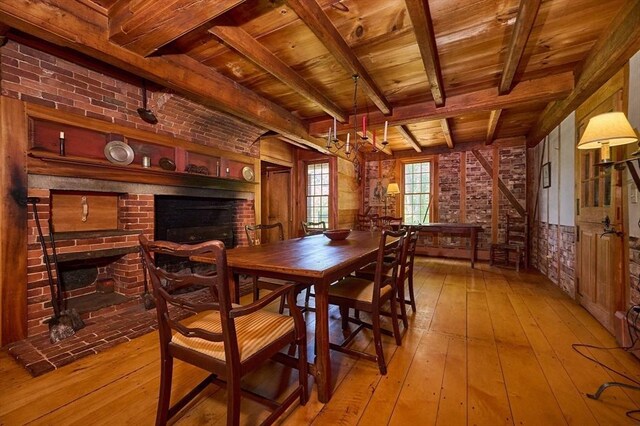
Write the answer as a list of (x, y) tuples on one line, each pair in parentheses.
[(276, 198), (599, 266)]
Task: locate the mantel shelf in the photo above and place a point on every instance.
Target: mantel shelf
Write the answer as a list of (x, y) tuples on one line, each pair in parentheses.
[(77, 235), (95, 254)]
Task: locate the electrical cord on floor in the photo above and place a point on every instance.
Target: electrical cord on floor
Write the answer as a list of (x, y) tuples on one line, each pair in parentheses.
[(634, 335)]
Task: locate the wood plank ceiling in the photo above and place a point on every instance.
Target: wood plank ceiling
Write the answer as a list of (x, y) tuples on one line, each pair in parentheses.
[(442, 72)]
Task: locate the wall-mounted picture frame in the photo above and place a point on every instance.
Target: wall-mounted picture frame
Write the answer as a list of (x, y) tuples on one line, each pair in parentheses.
[(546, 175)]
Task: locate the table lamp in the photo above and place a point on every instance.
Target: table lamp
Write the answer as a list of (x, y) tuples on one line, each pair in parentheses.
[(392, 189), (604, 131)]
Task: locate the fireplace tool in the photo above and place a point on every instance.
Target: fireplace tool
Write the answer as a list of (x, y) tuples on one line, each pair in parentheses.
[(147, 298), (61, 325)]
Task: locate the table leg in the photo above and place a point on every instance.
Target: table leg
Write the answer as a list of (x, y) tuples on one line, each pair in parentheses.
[(474, 244), (323, 359), (234, 285)]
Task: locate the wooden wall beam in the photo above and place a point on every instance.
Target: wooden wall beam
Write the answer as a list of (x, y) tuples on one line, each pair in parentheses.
[(319, 23), (13, 221), (446, 131), (527, 13), (81, 28), (545, 89), (144, 26), (247, 46), (503, 188), (493, 124), (408, 136), (613, 49), (423, 27)]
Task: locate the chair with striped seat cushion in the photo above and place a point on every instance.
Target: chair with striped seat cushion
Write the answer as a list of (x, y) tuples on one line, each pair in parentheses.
[(225, 339), (365, 295)]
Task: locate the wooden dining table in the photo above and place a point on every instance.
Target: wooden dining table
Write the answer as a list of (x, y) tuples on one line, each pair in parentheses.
[(311, 260)]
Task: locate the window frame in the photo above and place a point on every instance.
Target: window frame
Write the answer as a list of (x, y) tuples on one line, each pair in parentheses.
[(433, 166), (306, 187)]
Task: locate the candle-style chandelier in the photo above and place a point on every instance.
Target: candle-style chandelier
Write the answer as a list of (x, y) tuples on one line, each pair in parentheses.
[(352, 146)]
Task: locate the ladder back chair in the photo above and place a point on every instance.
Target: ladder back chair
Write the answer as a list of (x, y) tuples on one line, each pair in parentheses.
[(225, 339), (365, 295), (313, 228), (256, 235), (514, 251)]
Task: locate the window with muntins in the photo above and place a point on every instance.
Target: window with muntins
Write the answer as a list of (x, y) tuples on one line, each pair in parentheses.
[(318, 192), (417, 192)]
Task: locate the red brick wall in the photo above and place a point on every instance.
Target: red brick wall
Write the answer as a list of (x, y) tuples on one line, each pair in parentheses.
[(41, 78), (38, 77), (478, 186)]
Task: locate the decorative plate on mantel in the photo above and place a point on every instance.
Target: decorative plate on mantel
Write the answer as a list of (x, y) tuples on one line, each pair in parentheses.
[(247, 174), (119, 153)]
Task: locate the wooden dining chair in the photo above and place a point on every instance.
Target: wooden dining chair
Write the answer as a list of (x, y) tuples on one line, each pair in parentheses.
[(405, 273), (513, 251), (365, 295), (366, 222), (256, 235), (225, 339), (314, 228), (389, 222)]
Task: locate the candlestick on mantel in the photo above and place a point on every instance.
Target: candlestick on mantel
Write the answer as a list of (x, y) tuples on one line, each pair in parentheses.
[(62, 153)]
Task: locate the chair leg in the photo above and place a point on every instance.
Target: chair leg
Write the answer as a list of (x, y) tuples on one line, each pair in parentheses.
[(303, 378), (233, 401), (256, 290), (377, 339), (412, 296), (344, 315), (164, 398), (394, 320), (403, 308), (307, 296)]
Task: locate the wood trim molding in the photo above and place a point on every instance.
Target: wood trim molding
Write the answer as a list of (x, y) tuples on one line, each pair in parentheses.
[(494, 118)]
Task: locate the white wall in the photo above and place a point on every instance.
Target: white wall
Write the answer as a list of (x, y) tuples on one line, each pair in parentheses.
[(566, 192), (634, 119), (553, 150)]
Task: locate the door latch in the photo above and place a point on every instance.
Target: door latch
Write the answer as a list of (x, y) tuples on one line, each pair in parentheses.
[(609, 228)]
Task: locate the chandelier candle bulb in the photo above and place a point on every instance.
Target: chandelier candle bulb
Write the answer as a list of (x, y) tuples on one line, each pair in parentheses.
[(329, 138), (386, 125), (364, 126), (335, 127)]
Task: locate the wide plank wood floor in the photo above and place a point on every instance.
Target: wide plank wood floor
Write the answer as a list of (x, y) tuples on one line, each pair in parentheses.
[(487, 346)]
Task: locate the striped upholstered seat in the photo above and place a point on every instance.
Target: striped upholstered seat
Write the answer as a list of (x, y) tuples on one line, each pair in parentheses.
[(226, 339), (254, 331)]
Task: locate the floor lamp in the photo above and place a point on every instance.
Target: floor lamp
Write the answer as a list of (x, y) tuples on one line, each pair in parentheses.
[(392, 190)]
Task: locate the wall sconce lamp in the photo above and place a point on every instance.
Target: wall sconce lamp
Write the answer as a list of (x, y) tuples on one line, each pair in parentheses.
[(392, 190), (604, 131)]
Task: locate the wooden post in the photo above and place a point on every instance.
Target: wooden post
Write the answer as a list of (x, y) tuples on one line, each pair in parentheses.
[(13, 221)]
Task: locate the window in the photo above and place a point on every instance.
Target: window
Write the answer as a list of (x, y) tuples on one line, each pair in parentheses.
[(318, 192), (417, 192)]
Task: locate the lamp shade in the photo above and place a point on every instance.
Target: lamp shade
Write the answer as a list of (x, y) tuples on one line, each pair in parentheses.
[(612, 128), (393, 189)]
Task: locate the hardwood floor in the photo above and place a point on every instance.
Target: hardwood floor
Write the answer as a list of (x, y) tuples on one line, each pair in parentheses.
[(487, 346)]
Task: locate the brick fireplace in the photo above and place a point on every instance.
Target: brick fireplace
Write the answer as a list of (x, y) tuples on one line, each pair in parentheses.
[(101, 270)]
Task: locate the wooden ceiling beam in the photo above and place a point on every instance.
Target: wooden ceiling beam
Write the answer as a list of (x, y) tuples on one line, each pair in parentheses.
[(409, 137), (77, 26), (319, 23), (144, 26), (247, 46), (545, 89), (527, 13), (423, 28), (613, 49), (446, 131), (493, 124)]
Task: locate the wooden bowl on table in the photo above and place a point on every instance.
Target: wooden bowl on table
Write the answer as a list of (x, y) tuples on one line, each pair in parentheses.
[(337, 234)]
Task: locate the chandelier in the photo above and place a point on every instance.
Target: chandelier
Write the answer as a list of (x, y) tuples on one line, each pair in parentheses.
[(353, 145)]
